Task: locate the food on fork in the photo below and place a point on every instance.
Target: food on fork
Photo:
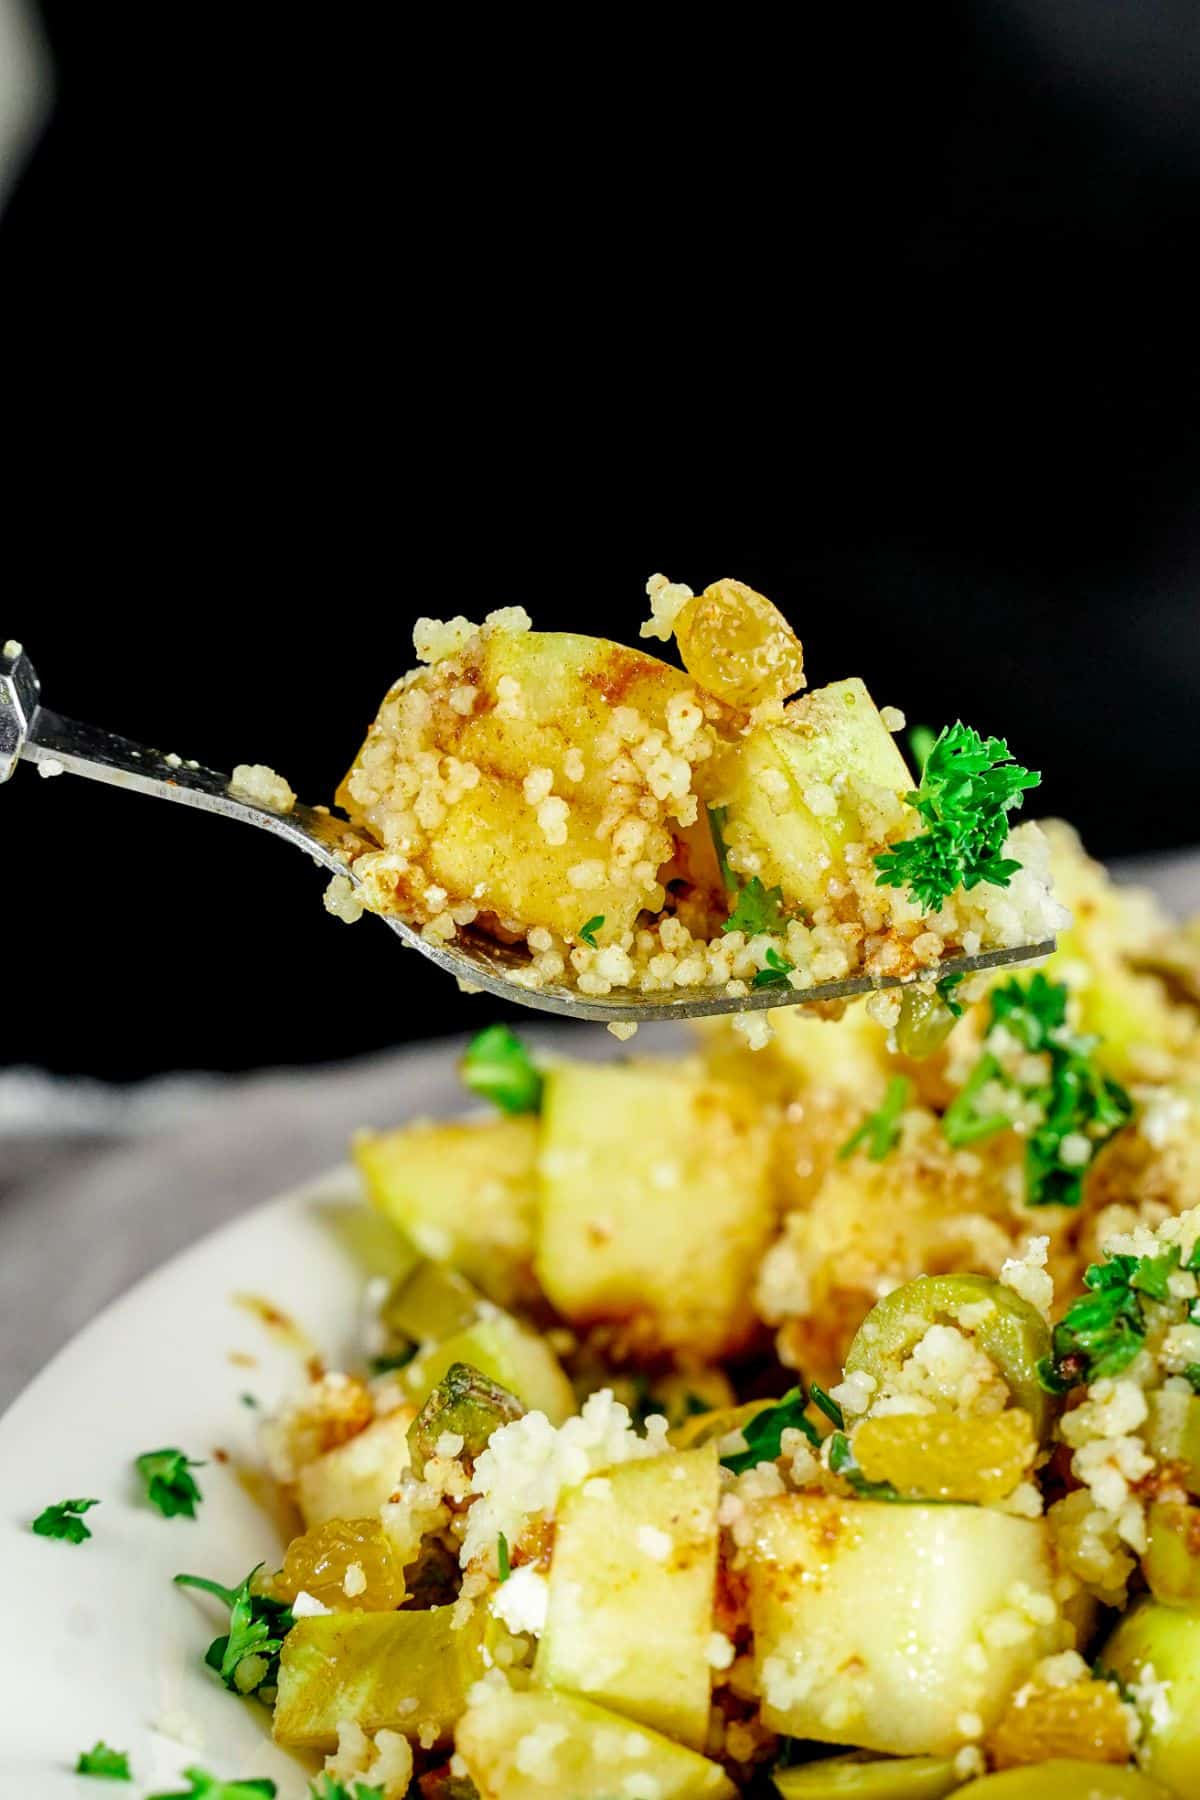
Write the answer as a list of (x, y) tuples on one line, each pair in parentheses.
[(642, 827)]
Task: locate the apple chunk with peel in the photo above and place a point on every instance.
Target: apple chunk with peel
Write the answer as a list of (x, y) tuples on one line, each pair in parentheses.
[(630, 1606), (464, 1192), (1156, 1650), (393, 1670), (796, 791), (899, 1628), (655, 1204), (546, 1746)]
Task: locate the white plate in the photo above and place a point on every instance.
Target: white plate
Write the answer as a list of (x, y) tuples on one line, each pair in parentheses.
[(96, 1641)]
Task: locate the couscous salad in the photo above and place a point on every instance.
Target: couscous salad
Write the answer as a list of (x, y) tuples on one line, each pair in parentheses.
[(640, 827), (822, 1421), (814, 1413)]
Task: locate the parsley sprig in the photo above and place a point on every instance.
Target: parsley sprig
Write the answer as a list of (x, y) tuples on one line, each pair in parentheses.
[(100, 1760), (880, 1130), (969, 785), (1101, 1333), (758, 910), (210, 1787), (169, 1486), (764, 1432), (498, 1066), (62, 1520), (1077, 1100), (246, 1657)]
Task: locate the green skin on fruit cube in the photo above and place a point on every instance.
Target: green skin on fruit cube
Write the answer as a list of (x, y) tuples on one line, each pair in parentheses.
[(1167, 1639), (629, 1614), (833, 731)]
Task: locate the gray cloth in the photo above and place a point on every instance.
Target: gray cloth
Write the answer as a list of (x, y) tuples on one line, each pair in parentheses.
[(99, 1185)]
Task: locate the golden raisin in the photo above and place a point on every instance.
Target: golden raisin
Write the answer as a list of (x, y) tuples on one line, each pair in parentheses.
[(947, 1456), (739, 646), (346, 1564), (1087, 1721)]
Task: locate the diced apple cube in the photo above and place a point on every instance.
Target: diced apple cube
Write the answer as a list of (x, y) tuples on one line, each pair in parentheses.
[(630, 1610), (898, 1628)]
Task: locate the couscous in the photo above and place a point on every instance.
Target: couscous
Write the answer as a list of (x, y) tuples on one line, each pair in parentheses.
[(820, 1422), (640, 827)]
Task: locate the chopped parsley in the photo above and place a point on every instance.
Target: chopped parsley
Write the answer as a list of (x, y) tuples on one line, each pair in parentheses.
[(211, 1787), (776, 972), (169, 1486), (880, 1130), (1192, 1374), (826, 1404), (764, 1432), (1101, 1333), (246, 1657), (1077, 1101), (502, 1557), (62, 1520), (969, 784), (248, 1399), (100, 1760), (499, 1067), (588, 932), (716, 821), (326, 1788), (759, 910), (945, 993)]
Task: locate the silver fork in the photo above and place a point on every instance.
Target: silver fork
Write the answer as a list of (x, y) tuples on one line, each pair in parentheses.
[(30, 731)]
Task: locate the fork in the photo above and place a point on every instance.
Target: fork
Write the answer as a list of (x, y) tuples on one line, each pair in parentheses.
[(29, 731)]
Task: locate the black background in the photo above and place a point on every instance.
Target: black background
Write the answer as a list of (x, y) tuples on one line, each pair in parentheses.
[(316, 328)]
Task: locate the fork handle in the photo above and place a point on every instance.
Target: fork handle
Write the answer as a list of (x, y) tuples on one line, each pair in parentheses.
[(30, 732)]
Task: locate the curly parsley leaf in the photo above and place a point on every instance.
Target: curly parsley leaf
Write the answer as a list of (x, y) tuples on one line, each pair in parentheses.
[(1080, 1107), (325, 1787), (880, 1130), (499, 1067), (776, 972), (100, 1760), (246, 1657), (764, 1432), (759, 910), (1100, 1334), (588, 932), (62, 1520), (969, 784), (169, 1486), (210, 1787)]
